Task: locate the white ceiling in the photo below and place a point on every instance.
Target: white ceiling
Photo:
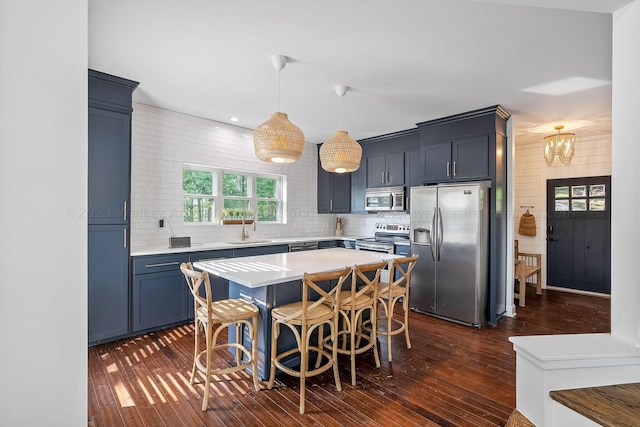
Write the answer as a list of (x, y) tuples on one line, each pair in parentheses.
[(405, 61)]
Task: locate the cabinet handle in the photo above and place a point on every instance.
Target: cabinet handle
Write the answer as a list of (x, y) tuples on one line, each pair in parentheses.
[(331, 204), (448, 168), (382, 177), (454, 168), (124, 243), (386, 179), (210, 259), (162, 264), (125, 210)]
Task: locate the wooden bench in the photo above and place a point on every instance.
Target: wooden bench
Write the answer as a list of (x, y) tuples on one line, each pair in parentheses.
[(527, 266)]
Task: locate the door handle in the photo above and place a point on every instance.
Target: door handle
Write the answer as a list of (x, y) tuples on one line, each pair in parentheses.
[(440, 233), (434, 235)]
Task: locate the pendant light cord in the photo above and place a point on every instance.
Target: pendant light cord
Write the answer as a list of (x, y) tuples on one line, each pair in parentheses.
[(279, 71), (340, 115)]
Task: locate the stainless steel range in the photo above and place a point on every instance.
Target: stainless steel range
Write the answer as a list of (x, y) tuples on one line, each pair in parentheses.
[(385, 237)]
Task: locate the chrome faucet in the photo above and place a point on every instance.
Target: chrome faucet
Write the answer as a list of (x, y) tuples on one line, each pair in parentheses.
[(245, 234)]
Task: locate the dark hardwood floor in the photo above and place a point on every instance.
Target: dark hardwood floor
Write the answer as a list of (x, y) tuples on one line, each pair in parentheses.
[(452, 376)]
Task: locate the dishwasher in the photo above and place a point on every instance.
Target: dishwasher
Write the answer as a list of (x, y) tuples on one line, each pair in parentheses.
[(303, 246)]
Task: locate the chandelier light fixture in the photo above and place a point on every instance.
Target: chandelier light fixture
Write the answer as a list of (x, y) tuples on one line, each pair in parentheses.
[(559, 148), (340, 153), (278, 140)]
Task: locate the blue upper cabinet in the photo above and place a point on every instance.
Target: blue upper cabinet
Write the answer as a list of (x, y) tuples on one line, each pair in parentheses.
[(387, 161), (109, 160), (385, 171), (464, 147), (460, 160), (109, 148), (334, 191)]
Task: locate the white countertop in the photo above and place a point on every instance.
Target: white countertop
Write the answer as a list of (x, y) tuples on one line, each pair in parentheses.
[(196, 247), (263, 270)]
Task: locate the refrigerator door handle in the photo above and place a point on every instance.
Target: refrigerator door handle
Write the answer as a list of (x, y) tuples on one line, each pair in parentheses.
[(440, 233), (434, 231)]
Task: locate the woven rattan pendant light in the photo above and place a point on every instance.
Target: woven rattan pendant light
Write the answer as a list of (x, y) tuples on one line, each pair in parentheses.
[(340, 153), (278, 140)]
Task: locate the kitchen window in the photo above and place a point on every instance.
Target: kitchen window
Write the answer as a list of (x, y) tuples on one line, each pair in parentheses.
[(198, 195), (207, 191)]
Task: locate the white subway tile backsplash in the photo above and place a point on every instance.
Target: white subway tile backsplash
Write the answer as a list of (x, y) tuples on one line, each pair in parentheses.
[(163, 140)]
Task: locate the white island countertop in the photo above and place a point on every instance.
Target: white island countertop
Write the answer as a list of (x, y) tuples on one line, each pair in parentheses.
[(264, 270)]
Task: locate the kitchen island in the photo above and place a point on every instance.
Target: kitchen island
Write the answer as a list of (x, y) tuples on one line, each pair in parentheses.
[(271, 280)]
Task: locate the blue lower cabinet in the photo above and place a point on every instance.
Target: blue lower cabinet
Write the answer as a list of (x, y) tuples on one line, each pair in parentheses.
[(403, 250), (323, 244), (349, 244), (108, 288), (160, 296), (260, 250)]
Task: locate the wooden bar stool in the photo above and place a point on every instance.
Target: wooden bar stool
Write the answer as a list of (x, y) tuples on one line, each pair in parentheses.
[(389, 294), (303, 318), (222, 313), (351, 306)]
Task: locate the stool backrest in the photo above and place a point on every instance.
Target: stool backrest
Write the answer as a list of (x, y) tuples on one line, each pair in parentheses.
[(365, 285), (401, 267), (310, 282), (195, 281)]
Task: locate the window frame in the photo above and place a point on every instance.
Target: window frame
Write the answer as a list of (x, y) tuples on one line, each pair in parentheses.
[(219, 199)]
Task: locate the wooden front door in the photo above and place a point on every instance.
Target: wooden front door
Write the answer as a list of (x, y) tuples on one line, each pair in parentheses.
[(579, 233)]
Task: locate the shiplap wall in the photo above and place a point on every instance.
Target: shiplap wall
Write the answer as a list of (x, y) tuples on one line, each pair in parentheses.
[(592, 158)]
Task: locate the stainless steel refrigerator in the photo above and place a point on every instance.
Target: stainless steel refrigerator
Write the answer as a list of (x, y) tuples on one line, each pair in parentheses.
[(449, 229)]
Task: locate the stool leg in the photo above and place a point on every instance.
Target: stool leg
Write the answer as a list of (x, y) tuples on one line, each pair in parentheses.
[(304, 361), (275, 330), (374, 335), (254, 351), (205, 398), (405, 306), (320, 345), (352, 337), (239, 341), (334, 353), (196, 351), (389, 311)]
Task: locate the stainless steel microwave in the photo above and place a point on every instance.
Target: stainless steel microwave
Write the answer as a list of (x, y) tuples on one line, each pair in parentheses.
[(384, 199)]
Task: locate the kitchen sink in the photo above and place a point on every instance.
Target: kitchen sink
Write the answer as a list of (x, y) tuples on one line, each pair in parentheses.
[(248, 242)]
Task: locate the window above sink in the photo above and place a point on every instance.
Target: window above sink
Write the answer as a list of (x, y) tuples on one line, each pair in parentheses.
[(208, 191)]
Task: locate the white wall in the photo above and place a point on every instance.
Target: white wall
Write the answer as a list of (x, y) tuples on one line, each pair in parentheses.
[(592, 158), (625, 221), (163, 140), (43, 189)]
